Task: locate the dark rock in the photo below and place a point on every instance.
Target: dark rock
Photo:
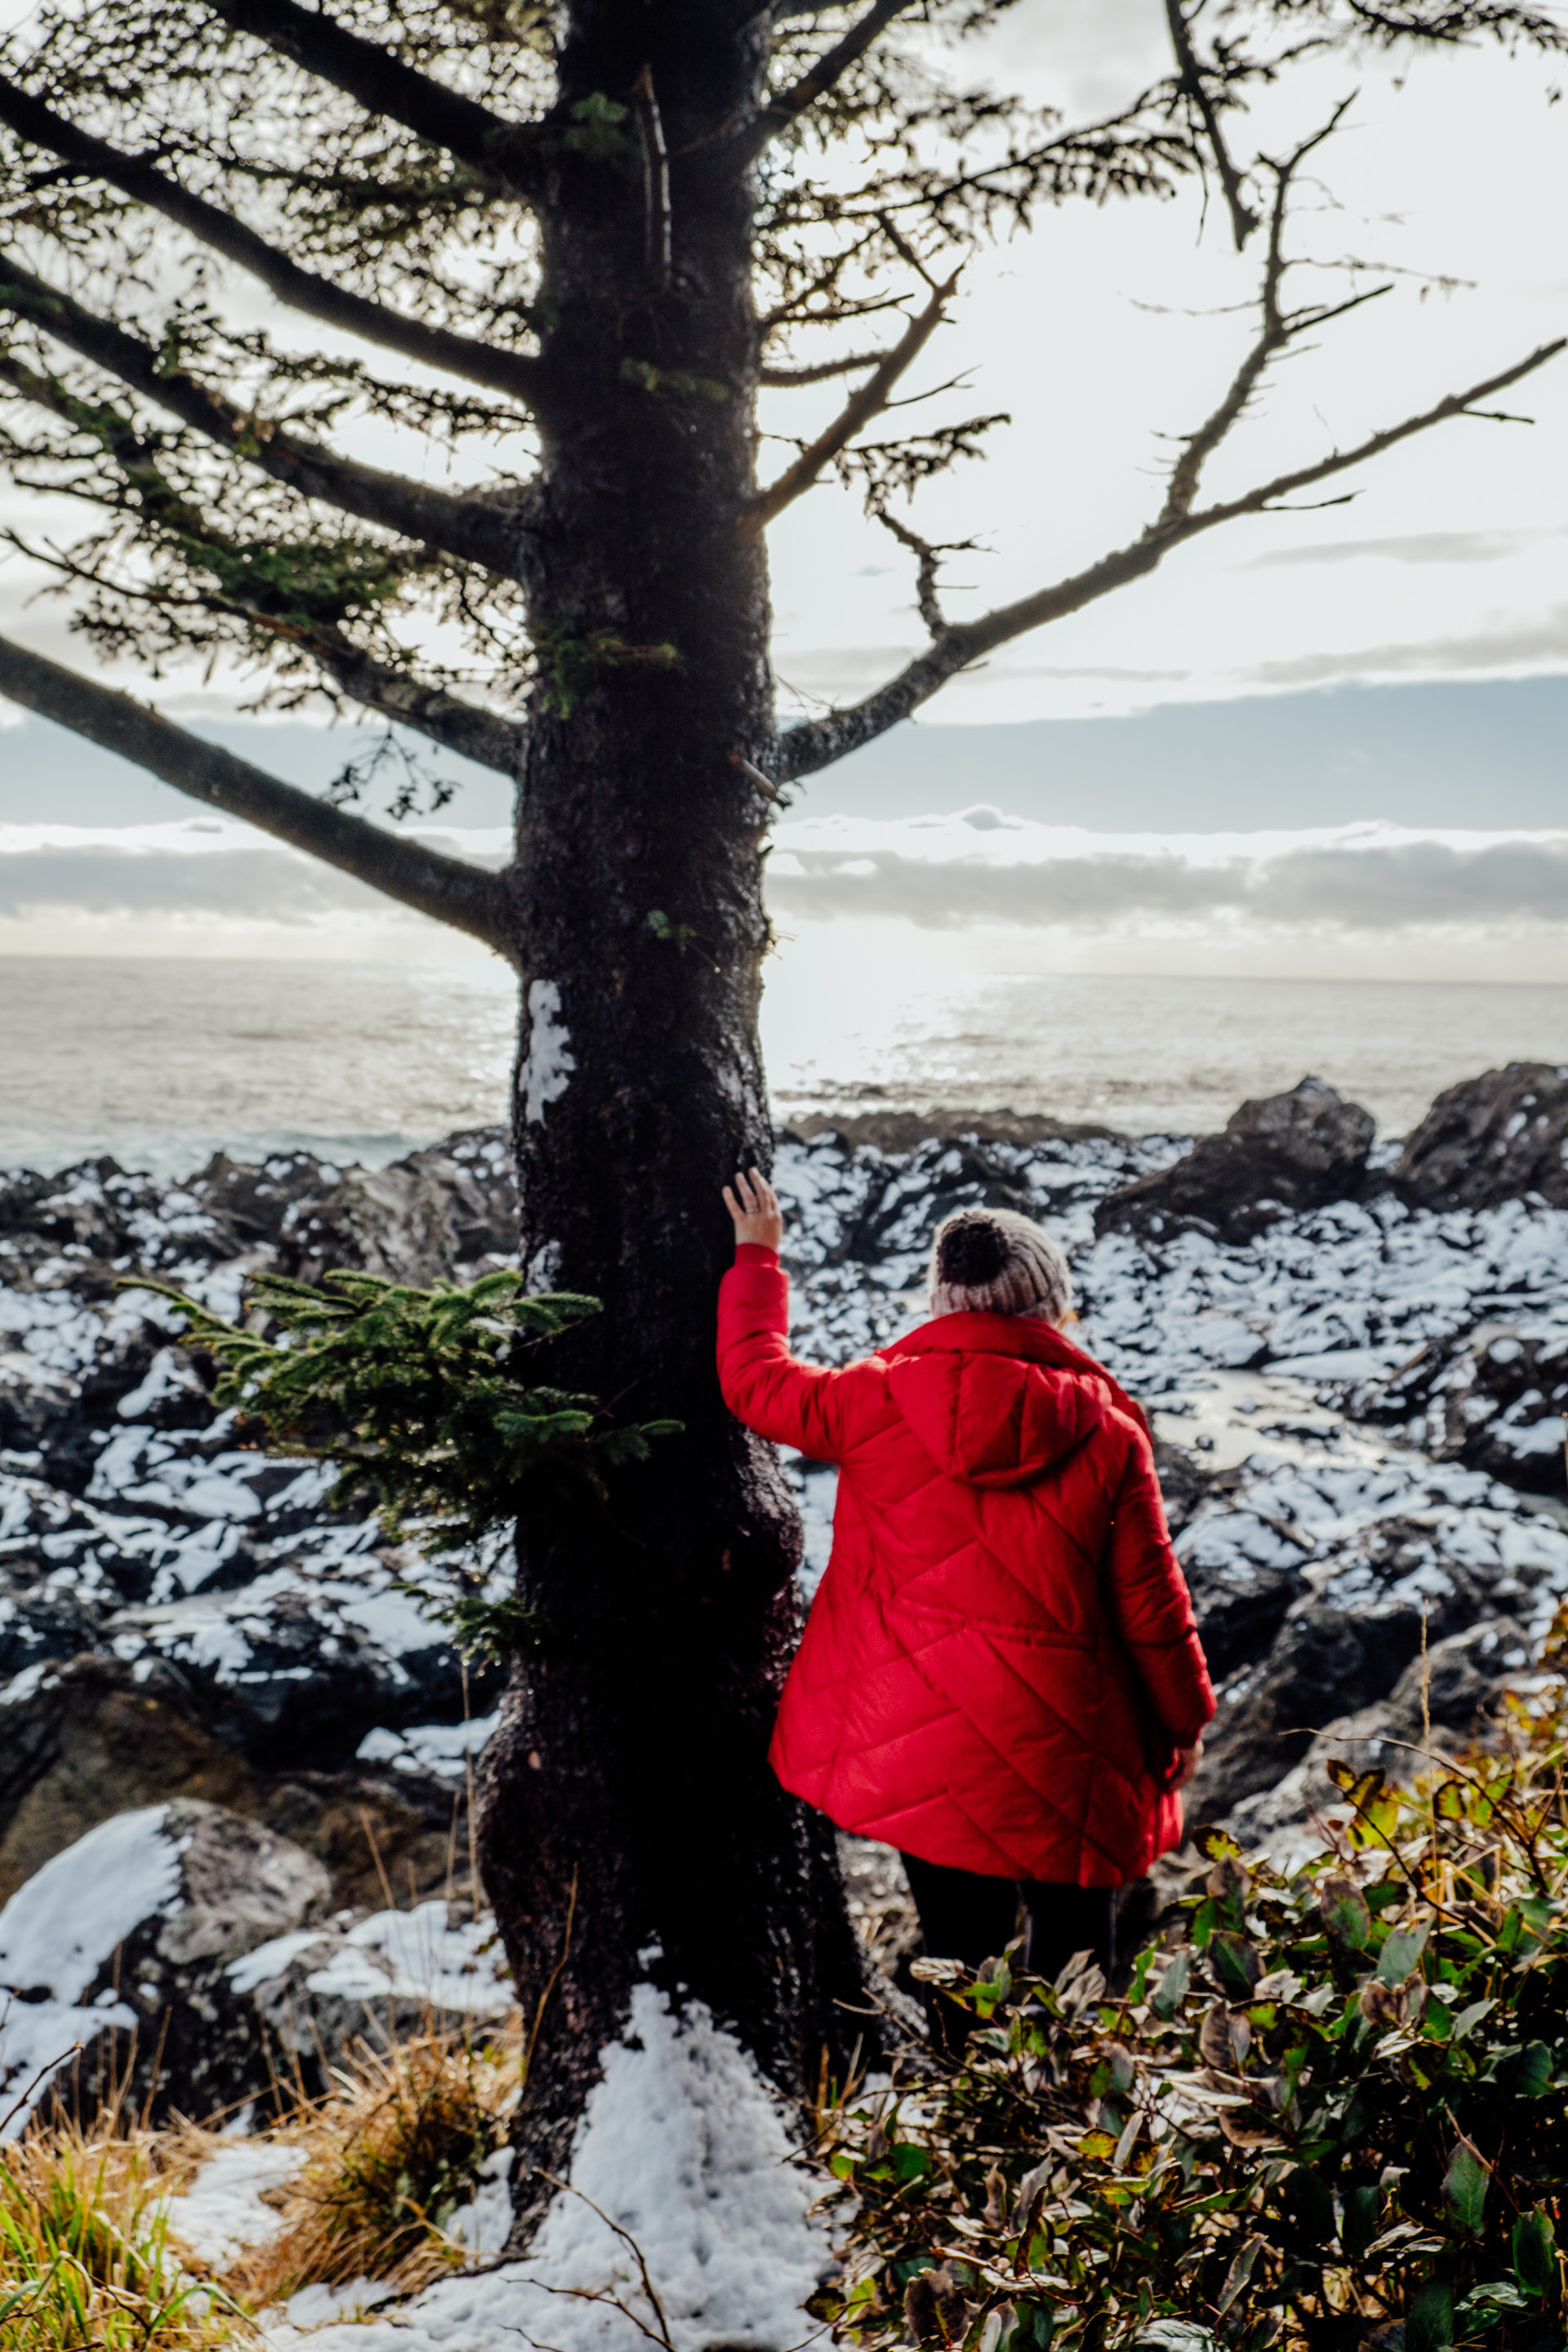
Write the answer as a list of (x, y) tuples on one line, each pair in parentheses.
[(95, 1737), (255, 1200), (1493, 1398), (1324, 1664), (1492, 1138), (1440, 1704), (1282, 1153), (1240, 1608), (420, 1221)]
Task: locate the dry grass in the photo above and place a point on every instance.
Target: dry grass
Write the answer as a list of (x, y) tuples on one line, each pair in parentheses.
[(390, 2152), (87, 2261)]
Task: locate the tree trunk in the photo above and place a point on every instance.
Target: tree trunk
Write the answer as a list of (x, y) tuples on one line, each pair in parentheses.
[(630, 1824)]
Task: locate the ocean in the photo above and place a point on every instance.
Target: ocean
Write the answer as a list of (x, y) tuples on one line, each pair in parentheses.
[(162, 1061)]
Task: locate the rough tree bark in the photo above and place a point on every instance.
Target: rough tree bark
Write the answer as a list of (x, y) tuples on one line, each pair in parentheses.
[(626, 1799)]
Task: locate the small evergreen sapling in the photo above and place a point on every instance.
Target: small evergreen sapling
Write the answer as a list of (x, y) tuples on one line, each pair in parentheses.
[(420, 1401)]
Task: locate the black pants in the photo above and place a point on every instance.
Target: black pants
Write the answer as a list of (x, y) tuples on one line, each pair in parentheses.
[(967, 1917)]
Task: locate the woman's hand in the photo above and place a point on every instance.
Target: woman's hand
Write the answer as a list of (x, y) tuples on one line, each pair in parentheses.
[(1187, 1762), (757, 1214)]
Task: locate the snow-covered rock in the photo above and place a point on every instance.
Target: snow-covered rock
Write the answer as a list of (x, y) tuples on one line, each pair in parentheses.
[(117, 1950)]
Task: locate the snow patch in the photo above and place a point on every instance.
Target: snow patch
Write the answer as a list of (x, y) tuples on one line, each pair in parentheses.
[(443, 1748), (415, 1955), (548, 1064), (681, 2143), (221, 2213)]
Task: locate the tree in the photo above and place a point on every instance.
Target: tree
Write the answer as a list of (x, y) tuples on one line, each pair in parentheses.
[(589, 233)]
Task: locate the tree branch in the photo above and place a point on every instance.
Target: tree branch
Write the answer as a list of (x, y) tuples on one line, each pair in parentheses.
[(394, 694), (507, 372), (781, 378), (792, 103), (466, 897), (383, 85), (819, 741), (465, 527), (858, 410), (1243, 219)]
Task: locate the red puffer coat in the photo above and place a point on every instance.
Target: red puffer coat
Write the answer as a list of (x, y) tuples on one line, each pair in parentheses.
[(1002, 1659)]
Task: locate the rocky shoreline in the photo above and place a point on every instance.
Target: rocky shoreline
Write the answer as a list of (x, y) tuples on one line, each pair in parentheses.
[(1355, 1357)]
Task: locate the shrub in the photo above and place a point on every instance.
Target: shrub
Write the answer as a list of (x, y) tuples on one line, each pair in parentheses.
[(1332, 2113)]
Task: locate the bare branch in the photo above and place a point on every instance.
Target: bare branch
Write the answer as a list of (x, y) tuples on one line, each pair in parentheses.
[(463, 896), (928, 554), (409, 701), (819, 741), (509, 152), (779, 378), (1243, 219), (792, 103), (501, 371), (467, 529), (858, 411), (1275, 331)]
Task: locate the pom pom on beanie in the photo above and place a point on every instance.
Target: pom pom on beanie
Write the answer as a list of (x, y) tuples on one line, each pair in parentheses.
[(995, 1262)]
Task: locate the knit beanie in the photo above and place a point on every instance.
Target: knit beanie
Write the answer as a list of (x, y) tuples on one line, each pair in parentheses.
[(995, 1262)]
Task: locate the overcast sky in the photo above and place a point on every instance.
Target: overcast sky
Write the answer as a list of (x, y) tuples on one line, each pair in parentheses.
[(1100, 334)]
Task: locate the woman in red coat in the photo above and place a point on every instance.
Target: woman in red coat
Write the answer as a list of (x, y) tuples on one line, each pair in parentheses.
[(1001, 1675)]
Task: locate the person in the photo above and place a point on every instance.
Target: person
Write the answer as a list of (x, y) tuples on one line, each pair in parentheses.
[(1001, 1675)]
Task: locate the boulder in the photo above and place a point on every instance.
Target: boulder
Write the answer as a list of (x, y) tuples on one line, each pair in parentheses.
[(1490, 1139), (96, 1735), (1282, 1153), (116, 1952), (255, 1200), (187, 1957), (443, 1214)]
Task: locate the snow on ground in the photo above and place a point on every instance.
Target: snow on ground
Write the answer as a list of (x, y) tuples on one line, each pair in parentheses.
[(221, 2213), (683, 2150)]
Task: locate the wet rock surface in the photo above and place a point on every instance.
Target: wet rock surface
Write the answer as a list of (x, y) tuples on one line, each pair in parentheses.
[(1357, 1395)]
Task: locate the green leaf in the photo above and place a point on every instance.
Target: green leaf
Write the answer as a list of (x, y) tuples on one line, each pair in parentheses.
[(1361, 2221), (1235, 1961), (1534, 2251), (1344, 1911), (1400, 1954), (1171, 1991), (1429, 2324), (1465, 2186), (910, 2162)]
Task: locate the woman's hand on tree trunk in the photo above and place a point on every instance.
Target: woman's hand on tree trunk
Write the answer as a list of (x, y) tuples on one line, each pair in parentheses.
[(756, 1212)]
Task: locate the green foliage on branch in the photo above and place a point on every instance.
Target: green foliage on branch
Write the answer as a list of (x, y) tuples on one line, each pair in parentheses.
[(1332, 2115), (420, 1400)]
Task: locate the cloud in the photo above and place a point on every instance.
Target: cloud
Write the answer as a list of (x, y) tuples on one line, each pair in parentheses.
[(1378, 887), (1420, 547), (1491, 649), (209, 870)]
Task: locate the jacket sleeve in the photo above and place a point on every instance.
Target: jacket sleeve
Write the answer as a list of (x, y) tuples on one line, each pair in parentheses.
[(764, 1386), (1149, 1600)]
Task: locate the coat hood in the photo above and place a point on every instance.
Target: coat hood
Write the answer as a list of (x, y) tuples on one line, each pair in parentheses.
[(994, 1420)]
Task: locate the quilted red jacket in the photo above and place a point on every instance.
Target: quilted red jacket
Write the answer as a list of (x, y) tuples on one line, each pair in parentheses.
[(1002, 1660)]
